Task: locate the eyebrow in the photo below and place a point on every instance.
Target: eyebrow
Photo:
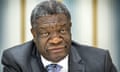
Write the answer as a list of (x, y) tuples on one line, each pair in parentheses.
[(43, 27)]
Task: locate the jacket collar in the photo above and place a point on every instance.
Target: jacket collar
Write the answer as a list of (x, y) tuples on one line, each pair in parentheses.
[(36, 64), (76, 64)]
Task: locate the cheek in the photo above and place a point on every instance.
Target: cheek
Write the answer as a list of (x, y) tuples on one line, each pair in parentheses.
[(41, 45), (67, 38)]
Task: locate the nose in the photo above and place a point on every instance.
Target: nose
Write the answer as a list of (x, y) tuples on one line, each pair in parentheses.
[(55, 39)]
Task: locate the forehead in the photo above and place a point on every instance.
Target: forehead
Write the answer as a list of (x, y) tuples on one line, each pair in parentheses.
[(53, 19)]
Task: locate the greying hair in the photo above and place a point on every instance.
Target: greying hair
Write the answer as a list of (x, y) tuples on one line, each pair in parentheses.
[(48, 8)]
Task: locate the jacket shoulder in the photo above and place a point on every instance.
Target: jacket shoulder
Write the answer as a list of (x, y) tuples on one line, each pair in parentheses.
[(95, 58), (91, 54), (20, 48), (88, 49), (19, 52)]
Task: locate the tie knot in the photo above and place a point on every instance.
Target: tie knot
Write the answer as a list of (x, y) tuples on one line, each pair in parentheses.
[(53, 68)]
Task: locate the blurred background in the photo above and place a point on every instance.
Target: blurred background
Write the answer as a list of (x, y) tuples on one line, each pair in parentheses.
[(94, 23)]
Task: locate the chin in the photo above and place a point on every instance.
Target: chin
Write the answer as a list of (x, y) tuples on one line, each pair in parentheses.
[(57, 58)]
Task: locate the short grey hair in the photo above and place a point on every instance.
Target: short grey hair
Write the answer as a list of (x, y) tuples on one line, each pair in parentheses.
[(48, 8)]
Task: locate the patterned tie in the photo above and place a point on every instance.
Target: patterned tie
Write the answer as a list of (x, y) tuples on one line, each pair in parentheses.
[(53, 68)]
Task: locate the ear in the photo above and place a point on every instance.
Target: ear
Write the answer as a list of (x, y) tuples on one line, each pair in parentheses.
[(33, 32)]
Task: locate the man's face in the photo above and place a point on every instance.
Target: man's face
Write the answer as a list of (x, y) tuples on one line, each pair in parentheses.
[(52, 36)]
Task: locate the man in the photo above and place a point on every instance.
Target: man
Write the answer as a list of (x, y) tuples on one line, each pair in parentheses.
[(51, 49)]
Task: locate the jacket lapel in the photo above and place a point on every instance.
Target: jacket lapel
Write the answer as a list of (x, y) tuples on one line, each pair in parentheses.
[(76, 64), (36, 64)]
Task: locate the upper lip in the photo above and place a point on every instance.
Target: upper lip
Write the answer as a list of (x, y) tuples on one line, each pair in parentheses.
[(56, 47)]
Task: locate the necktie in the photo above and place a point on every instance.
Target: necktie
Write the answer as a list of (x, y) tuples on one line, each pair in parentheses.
[(53, 68)]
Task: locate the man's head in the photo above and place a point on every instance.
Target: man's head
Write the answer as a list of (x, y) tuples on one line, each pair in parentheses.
[(51, 29)]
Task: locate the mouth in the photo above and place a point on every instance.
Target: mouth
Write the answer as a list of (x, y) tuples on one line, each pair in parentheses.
[(56, 49)]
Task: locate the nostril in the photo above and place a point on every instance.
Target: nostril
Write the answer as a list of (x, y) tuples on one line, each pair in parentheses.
[(55, 40)]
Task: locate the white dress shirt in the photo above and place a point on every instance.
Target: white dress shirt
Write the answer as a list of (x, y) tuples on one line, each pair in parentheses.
[(63, 63)]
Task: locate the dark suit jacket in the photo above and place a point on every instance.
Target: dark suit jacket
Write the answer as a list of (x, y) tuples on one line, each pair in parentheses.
[(25, 58)]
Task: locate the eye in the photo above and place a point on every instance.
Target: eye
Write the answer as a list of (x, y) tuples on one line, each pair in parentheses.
[(62, 31), (44, 34)]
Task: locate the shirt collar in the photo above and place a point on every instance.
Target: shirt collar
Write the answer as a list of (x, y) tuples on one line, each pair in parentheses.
[(63, 62)]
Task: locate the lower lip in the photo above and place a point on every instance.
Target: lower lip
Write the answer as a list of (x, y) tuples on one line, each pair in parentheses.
[(57, 50)]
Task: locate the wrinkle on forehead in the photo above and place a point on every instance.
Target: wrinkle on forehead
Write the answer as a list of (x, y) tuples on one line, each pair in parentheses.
[(53, 19)]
